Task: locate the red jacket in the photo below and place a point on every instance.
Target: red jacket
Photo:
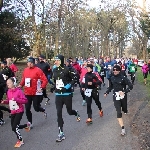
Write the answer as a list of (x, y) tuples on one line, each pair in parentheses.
[(77, 67), (33, 74)]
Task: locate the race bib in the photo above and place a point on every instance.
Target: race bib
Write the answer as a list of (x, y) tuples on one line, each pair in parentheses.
[(13, 105), (109, 67), (102, 73), (59, 84), (118, 97), (133, 68), (88, 92), (27, 82)]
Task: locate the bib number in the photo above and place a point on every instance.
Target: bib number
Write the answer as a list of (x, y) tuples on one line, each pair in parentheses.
[(27, 82), (88, 92), (118, 96), (59, 84), (13, 105)]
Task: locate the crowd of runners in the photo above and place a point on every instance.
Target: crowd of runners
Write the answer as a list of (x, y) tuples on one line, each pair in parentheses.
[(90, 75)]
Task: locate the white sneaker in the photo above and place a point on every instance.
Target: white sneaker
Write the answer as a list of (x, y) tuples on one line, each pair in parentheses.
[(123, 132)]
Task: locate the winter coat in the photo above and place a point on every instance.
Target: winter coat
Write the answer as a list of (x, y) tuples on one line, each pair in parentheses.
[(30, 80), (18, 96), (145, 68)]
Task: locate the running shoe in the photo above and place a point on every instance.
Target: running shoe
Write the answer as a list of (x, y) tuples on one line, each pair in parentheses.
[(89, 121), (61, 137), (101, 113), (78, 116), (2, 122), (47, 101), (19, 144), (28, 128), (123, 132)]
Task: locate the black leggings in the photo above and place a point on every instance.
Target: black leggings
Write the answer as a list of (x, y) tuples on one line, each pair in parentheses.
[(95, 96), (120, 104), (132, 76), (60, 101), (5, 109), (36, 99), (15, 124)]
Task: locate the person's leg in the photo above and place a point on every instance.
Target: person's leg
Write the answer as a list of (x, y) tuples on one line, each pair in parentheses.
[(37, 106), (124, 104), (15, 121), (89, 109), (45, 96), (28, 108), (117, 104), (95, 95), (83, 97), (59, 101)]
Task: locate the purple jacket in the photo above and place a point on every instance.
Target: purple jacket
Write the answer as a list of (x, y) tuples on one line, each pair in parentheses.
[(19, 97), (145, 68)]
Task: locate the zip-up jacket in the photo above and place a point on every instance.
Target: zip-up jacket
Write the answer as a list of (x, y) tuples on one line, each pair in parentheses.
[(33, 75), (118, 83), (67, 76), (91, 77), (18, 96), (44, 67)]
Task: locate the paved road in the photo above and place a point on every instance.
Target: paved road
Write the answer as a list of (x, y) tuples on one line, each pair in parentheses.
[(103, 134)]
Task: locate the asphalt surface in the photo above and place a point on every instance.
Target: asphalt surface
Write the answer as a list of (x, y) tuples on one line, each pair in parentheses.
[(103, 134)]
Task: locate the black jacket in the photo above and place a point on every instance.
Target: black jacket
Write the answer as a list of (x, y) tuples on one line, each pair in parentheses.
[(118, 83), (7, 71), (44, 67), (67, 75), (91, 77), (2, 85)]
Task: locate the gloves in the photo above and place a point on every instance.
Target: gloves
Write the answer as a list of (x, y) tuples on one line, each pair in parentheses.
[(67, 86)]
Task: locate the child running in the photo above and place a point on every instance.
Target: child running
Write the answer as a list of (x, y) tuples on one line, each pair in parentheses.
[(16, 99)]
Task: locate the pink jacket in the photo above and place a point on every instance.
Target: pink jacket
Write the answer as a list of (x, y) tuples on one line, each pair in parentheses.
[(83, 72), (145, 68), (19, 97)]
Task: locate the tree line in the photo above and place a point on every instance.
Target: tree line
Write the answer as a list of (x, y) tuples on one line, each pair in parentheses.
[(72, 28)]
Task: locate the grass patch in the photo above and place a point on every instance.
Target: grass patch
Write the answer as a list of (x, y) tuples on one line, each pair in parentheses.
[(140, 79)]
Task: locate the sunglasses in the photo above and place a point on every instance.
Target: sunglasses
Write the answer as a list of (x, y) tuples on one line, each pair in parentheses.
[(116, 70)]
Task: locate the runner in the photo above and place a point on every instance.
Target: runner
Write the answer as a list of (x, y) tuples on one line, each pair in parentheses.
[(118, 83), (64, 79), (145, 70), (16, 99), (90, 86), (34, 81)]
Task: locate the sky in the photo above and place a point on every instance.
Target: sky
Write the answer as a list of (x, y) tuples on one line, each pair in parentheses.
[(96, 3)]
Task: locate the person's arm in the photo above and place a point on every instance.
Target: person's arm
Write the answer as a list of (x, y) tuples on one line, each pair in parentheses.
[(2, 81), (22, 83), (109, 88), (21, 98), (130, 85), (43, 78)]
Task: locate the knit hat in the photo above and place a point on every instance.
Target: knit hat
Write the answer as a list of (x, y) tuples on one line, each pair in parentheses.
[(61, 58), (31, 59), (117, 67), (90, 66), (42, 56)]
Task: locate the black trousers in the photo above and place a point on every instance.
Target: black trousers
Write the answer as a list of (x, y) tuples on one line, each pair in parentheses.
[(60, 101), (36, 99), (95, 96), (15, 124), (120, 105), (132, 77)]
